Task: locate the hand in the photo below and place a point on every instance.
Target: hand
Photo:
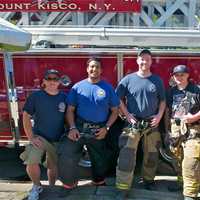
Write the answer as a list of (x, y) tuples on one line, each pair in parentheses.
[(189, 118), (74, 134), (155, 120), (101, 134), (37, 142), (131, 119)]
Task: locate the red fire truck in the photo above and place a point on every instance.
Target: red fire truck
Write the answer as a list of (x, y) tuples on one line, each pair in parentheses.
[(28, 69), (67, 50)]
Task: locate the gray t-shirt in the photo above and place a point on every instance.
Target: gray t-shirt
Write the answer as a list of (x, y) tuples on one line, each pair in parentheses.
[(143, 95)]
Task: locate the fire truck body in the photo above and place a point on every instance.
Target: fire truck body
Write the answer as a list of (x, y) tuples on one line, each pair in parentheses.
[(65, 40), (28, 69)]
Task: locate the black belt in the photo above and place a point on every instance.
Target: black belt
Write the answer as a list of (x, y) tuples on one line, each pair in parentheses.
[(141, 124), (88, 129)]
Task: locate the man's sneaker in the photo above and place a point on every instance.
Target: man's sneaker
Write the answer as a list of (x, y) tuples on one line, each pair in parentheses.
[(70, 186), (66, 189), (35, 192)]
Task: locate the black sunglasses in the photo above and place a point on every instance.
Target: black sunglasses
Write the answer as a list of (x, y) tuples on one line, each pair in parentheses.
[(52, 79)]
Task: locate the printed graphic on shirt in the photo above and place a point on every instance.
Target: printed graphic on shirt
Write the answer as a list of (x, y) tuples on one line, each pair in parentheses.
[(152, 88), (101, 93), (181, 105), (61, 107)]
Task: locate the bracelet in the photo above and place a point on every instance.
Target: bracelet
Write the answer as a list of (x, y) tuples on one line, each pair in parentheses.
[(71, 128)]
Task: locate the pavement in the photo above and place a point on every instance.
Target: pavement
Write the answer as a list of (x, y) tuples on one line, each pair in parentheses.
[(19, 191), (14, 185)]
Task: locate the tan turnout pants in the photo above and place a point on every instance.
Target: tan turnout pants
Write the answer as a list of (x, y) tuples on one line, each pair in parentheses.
[(128, 143)]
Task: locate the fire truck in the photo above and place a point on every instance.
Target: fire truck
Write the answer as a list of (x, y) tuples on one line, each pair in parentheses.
[(118, 59)]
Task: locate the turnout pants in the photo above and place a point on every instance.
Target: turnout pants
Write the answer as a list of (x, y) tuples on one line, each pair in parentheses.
[(128, 144), (69, 155), (191, 167), (189, 158), (177, 150)]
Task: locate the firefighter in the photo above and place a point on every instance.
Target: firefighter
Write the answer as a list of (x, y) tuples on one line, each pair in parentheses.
[(184, 109), (92, 109), (144, 107), (47, 107)]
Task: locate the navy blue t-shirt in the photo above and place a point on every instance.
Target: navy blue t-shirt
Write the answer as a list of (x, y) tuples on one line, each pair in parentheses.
[(48, 112), (93, 100), (143, 95)]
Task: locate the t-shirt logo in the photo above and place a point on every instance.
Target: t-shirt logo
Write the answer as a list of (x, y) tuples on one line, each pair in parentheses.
[(101, 93), (61, 107), (152, 88), (181, 105)]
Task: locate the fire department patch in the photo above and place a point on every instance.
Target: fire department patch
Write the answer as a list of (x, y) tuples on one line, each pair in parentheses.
[(61, 107), (152, 88), (101, 93)]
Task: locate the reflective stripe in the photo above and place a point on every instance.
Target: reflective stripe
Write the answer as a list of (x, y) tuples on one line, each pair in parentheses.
[(122, 186)]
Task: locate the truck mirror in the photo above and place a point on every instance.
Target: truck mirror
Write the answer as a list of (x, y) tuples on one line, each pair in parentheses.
[(65, 80)]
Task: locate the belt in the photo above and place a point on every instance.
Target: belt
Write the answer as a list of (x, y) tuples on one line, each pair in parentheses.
[(143, 119), (141, 124), (177, 121), (88, 129)]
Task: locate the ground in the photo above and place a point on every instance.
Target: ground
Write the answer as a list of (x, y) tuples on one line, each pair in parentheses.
[(15, 186)]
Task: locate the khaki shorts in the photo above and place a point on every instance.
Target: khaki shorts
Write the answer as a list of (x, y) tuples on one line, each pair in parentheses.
[(33, 155)]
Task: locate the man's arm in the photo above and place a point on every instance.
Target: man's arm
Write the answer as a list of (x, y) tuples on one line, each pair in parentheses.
[(113, 116), (191, 118), (161, 108), (28, 131), (70, 116), (123, 109), (103, 131), (74, 134), (27, 125), (156, 118)]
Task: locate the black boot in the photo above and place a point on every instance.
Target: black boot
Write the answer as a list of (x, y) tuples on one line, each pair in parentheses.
[(148, 184), (122, 195)]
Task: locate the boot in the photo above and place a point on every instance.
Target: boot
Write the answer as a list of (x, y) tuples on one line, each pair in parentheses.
[(122, 195), (147, 184), (150, 185)]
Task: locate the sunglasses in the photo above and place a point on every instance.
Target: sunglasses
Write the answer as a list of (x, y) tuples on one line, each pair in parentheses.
[(52, 79), (179, 74)]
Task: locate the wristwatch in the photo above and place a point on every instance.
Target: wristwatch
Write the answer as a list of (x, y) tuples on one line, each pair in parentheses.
[(107, 127), (72, 127)]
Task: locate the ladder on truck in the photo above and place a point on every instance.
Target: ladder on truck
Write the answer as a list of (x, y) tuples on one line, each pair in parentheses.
[(154, 14)]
